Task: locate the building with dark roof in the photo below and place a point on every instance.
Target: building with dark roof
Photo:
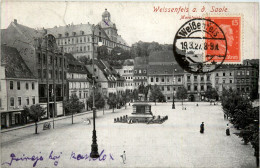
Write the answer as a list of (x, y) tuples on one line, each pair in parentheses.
[(77, 39), (168, 77), (18, 87), (108, 79), (165, 57), (44, 59), (78, 80)]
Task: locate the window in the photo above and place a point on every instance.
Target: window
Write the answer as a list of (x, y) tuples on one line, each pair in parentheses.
[(243, 72), (188, 87), (144, 71), (168, 80), (188, 78), (135, 71), (201, 78), (162, 79), (195, 78), (44, 73), (179, 79), (39, 59), (238, 72), (32, 85), (80, 95), (27, 101), (140, 71), (157, 79), (151, 79), (208, 78), (230, 74), (19, 101), (216, 74), (202, 87), (18, 85), (26, 86), (33, 99), (168, 88), (50, 74), (12, 102), (39, 73), (162, 88), (224, 81), (247, 72), (224, 74), (11, 85), (247, 89), (230, 81), (195, 88)]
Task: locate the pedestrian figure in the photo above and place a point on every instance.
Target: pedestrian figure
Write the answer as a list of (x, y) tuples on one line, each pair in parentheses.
[(202, 127), (225, 116), (197, 104), (129, 104), (227, 130), (124, 157)]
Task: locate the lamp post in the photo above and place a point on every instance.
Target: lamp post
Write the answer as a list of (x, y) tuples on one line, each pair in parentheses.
[(173, 80), (94, 147)]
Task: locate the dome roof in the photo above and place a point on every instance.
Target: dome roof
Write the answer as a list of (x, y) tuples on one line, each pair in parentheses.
[(105, 13)]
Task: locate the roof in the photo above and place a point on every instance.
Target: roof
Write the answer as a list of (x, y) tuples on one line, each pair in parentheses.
[(161, 56), (120, 40), (15, 66), (87, 28), (108, 71), (75, 66), (28, 32), (140, 62), (164, 69)]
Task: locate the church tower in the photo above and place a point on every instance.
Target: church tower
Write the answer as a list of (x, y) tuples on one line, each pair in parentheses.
[(108, 26)]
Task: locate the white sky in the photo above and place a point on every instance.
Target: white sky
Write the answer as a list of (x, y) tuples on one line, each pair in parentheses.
[(134, 20)]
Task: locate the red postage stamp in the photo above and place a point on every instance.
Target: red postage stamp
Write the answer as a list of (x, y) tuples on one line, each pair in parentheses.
[(232, 29)]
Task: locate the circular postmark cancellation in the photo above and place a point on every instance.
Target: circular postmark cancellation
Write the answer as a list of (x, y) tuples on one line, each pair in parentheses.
[(200, 46)]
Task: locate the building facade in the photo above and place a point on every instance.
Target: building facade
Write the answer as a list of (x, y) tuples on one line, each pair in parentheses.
[(77, 39), (127, 72), (42, 56), (78, 80), (19, 88)]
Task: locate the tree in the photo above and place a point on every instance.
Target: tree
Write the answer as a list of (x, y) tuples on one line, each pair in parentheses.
[(156, 94), (35, 112), (73, 105), (181, 93), (211, 93), (99, 101), (112, 101)]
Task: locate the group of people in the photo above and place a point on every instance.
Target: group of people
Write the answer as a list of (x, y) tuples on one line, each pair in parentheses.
[(202, 129)]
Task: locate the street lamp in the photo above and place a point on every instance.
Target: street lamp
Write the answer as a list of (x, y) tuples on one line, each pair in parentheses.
[(94, 147), (173, 80)]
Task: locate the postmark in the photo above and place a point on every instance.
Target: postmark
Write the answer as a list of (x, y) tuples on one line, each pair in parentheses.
[(200, 46)]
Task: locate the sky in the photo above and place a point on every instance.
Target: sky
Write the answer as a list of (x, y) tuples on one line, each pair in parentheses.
[(135, 21)]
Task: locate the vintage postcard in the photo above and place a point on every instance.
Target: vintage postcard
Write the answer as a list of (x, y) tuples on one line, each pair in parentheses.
[(131, 84)]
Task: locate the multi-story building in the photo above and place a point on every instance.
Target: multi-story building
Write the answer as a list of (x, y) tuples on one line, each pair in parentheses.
[(197, 85), (78, 80), (77, 39), (140, 71), (108, 80), (165, 73), (127, 72), (19, 87), (42, 56)]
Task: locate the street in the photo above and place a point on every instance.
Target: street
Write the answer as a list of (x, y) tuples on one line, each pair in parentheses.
[(175, 143)]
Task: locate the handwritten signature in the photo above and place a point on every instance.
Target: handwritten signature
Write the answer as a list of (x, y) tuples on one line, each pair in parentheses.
[(55, 157)]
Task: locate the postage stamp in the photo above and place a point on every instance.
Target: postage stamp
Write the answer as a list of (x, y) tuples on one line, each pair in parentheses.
[(232, 29)]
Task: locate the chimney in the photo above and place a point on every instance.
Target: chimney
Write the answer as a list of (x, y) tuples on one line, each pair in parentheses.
[(15, 21)]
